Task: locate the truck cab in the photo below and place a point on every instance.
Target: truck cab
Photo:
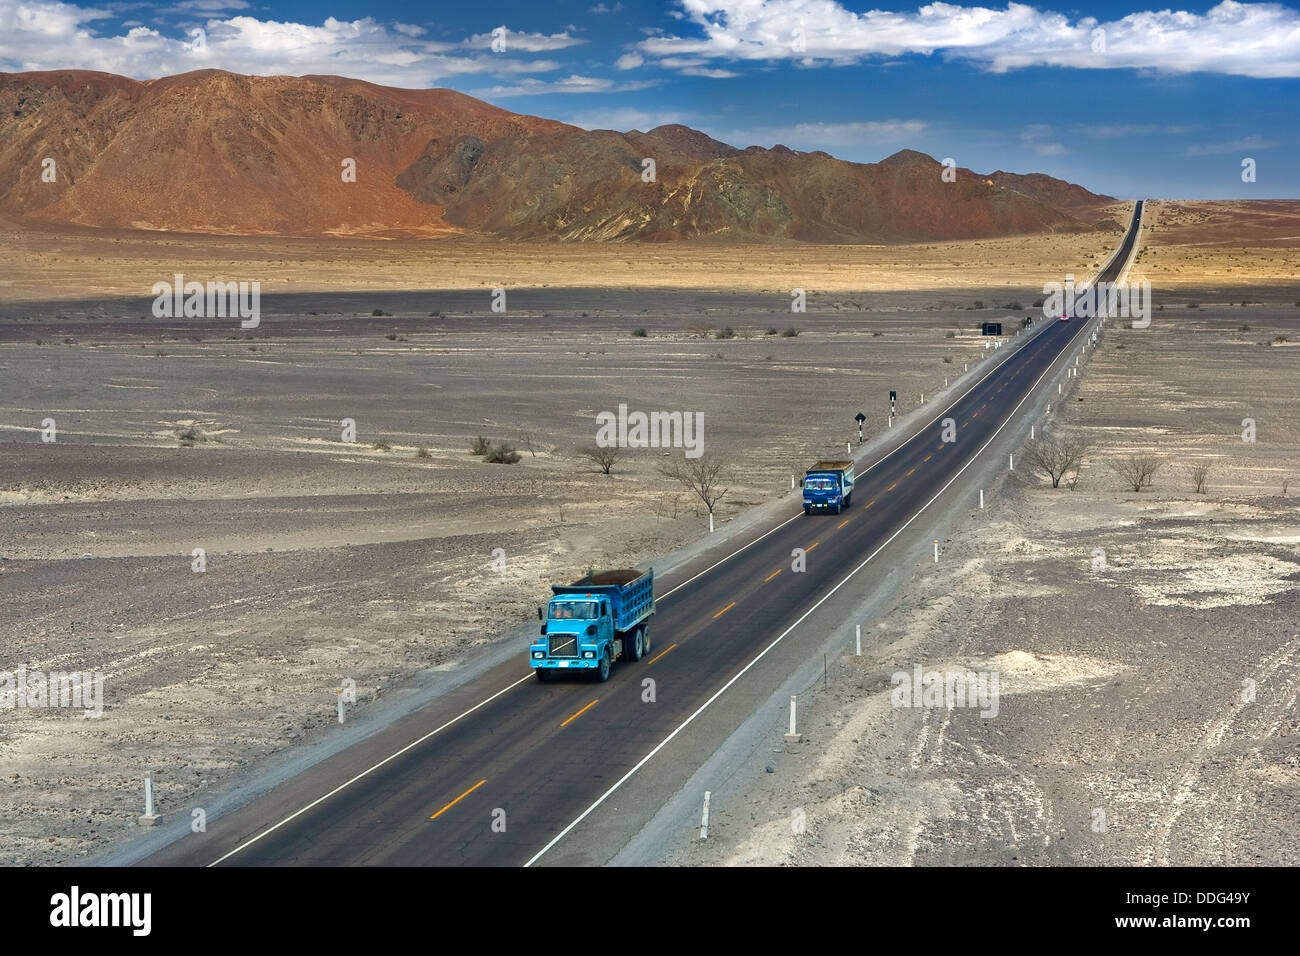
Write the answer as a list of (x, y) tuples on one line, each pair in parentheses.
[(828, 486), (593, 622)]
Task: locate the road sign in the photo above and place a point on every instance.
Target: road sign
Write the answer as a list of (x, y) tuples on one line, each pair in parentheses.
[(859, 418)]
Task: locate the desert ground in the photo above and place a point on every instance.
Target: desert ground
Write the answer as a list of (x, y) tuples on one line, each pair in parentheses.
[(371, 559), (1147, 644)]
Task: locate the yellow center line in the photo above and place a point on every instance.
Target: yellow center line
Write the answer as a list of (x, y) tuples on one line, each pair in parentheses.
[(942, 446), (926, 458), (909, 473), (580, 713), (842, 523), (811, 546), (772, 575), (871, 502), (724, 610), (892, 487), (660, 654), (458, 799)]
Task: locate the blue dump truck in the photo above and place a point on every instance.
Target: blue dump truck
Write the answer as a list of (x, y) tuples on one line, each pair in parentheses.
[(828, 485), (595, 621)]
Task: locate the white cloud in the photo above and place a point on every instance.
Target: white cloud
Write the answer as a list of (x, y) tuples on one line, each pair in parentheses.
[(528, 42), (1231, 146), (624, 119), (52, 35), (825, 136), (1035, 137), (1246, 39), (530, 86), (711, 72), (629, 61)]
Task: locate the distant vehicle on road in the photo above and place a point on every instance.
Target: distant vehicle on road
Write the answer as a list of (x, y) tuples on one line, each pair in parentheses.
[(1064, 317), (593, 622), (828, 485)]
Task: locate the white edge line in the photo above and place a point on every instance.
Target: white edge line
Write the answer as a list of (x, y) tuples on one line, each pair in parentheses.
[(763, 653), (368, 770)]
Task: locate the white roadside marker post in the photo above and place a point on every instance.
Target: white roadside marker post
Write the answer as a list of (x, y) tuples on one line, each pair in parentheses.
[(340, 695), (981, 499), (710, 522), (150, 818), (704, 817), (1031, 431), (1011, 462), (936, 552), (858, 632), (793, 737)]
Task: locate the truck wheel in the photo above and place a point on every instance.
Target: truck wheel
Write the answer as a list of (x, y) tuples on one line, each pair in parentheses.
[(839, 508), (848, 499), (636, 646), (602, 673), (543, 674), (807, 511), (645, 639)]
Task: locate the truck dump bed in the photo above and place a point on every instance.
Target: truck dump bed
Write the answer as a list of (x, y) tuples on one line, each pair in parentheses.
[(630, 593), (832, 466)]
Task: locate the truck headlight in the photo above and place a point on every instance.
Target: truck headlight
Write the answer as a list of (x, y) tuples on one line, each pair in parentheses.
[(538, 655), (589, 655)]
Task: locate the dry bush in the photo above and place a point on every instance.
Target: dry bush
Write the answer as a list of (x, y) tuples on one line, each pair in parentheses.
[(1137, 470), (603, 458), (503, 454), (703, 476), (1199, 473), (1057, 457)]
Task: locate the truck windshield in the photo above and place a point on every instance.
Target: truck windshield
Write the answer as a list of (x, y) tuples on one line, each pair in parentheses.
[(819, 484), (573, 610)]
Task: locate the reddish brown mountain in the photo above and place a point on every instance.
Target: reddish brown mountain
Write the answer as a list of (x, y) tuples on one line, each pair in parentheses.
[(222, 153)]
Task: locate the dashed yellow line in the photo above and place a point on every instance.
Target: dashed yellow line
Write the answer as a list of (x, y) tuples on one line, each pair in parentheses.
[(811, 546), (660, 654), (461, 797), (724, 610), (772, 575), (909, 473), (926, 458), (580, 713), (892, 487), (871, 502)]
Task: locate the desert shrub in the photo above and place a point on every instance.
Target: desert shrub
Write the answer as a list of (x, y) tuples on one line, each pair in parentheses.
[(639, 332), (978, 304), (1038, 303), (503, 454), (789, 333), (1193, 305), (771, 330), (391, 336), (382, 445), (422, 452), (950, 335), (1280, 340), (379, 312), (947, 360), (727, 333), (481, 446), (1243, 327), (1014, 306)]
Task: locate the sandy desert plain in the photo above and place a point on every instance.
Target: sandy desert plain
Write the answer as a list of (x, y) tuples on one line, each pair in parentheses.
[(370, 560)]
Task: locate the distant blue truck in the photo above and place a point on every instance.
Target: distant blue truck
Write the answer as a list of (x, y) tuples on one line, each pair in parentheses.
[(593, 622), (828, 486)]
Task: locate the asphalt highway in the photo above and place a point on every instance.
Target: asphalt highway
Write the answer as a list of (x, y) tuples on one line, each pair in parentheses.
[(498, 771)]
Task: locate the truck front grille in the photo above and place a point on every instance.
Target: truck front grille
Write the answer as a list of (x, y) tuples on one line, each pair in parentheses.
[(562, 645)]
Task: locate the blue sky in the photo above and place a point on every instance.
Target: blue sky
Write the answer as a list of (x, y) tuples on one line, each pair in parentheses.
[(1130, 99)]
